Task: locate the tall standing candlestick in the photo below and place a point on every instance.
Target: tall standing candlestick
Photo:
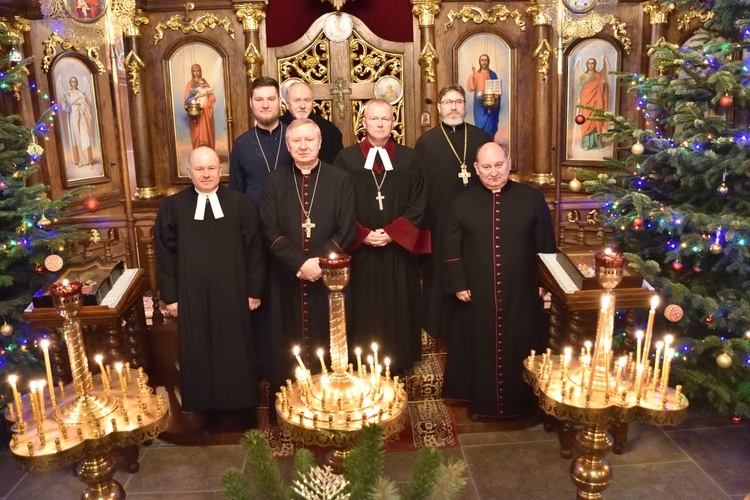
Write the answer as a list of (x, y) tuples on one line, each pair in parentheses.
[(48, 368), (16, 398), (650, 328)]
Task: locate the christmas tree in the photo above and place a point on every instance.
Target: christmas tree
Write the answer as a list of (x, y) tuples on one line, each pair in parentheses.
[(678, 198), (26, 213)]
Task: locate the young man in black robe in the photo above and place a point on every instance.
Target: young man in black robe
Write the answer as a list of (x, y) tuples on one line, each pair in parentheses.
[(299, 103), (262, 149), (490, 241), (447, 153), (390, 200), (307, 213), (211, 264)]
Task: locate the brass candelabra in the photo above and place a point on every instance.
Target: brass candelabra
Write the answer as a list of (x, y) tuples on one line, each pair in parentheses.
[(88, 419), (331, 408), (595, 391)]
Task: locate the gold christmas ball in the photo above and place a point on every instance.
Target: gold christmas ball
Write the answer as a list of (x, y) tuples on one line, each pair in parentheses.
[(723, 188), (724, 360), (637, 149), (716, 248), (574, 185), (6, 329)]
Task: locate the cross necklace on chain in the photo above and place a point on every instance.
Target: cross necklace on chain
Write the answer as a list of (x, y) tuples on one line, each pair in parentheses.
[(379, 186), (307, 225), (464, 174), (278, 150)]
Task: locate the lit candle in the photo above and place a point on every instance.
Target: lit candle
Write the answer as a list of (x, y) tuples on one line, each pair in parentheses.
[(650, 329), (48, 368), (568, 354), (322, 361), (638, 381), (587, 345), (118, 368), (668, 355), (639, 342), (99, 361), (16, 398), (618, 375), (369, 362), (375, 352), (358, 352), (299, 360), (387, 368), (607, 354), (40, 397), (659, 346), (33, 401)]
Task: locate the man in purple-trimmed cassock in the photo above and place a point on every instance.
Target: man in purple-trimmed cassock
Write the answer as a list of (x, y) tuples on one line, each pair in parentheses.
[(490, 241), (307, 212), (390, 202)]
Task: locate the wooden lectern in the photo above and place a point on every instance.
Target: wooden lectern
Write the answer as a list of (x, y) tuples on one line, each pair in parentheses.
[(576, 301)]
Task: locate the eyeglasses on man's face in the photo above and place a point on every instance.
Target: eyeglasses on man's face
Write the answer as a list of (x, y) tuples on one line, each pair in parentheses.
[(453, 102), (210, 170)]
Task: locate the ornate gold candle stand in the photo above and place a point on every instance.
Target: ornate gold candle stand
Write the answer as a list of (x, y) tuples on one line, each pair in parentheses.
[(589, 390), (82, 422), (330, 409)]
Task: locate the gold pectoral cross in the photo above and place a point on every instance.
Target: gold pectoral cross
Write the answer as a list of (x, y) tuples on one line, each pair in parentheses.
[(339, 90), (308, 227), (465, 174)]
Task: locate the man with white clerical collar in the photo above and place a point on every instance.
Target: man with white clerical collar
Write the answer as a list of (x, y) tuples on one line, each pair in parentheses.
[(446, 152), (300, 103), (262, 149), (490, 240), (390, 199), (307, 213), (212, 288)]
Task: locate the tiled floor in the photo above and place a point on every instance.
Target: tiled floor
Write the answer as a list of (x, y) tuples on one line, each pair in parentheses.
[(707, 457)]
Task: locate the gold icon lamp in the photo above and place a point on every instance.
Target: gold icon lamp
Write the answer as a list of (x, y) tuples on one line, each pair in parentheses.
[(87, 423), (598, 392), (329, 409)]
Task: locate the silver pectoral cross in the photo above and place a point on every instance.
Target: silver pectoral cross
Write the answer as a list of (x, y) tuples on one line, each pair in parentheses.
[(465, 174), (380, 199), (308, 227)]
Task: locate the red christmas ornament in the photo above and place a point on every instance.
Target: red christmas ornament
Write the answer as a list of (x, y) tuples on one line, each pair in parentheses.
[(673, 313), (91, 204), (708, 320), (736, 419), (580, 119), (726, 101), (697, 269), (637, 223), (39, 269), (677, 265)]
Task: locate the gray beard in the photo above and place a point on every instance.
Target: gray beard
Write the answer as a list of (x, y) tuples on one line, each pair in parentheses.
[(453, 122)]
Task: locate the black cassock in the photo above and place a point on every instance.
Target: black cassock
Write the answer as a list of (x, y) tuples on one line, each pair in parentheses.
[(299, 308), (210, 267), (330, 134), (490, 245), (441, 168), (384, 282)]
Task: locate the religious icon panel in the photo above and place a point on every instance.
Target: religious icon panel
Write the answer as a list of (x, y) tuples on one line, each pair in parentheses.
[(590, 85), (198, 103), (78, 130), (484, 65)]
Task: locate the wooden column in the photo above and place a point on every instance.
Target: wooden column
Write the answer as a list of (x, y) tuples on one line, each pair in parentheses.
[(544, 159), (425, 12), (145, 178), (250, 15), (658, 14)]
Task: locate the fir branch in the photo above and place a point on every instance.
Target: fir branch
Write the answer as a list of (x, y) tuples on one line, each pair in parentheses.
[(234, 485), (424, 476), (450, 480), (384, 490), (264, 469), (364, 465)]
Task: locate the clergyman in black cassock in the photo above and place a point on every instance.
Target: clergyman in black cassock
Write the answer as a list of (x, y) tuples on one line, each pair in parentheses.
[(490, 242), (384, 282), (442, 151), (210, 260), (307, 213)]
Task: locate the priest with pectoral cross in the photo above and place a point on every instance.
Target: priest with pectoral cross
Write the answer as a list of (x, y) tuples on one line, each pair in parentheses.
[(307, 212), (390, 202)]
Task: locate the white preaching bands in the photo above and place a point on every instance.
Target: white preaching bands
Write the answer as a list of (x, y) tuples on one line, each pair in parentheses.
[(370, 161), (200, 205)]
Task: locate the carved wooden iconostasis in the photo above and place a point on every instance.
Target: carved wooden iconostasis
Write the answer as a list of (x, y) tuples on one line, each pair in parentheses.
[(402, 51)]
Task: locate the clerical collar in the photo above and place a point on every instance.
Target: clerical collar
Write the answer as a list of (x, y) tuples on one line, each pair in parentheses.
[(306, 171), (203, 199), (264, 131), (451, 129), (386, 153)]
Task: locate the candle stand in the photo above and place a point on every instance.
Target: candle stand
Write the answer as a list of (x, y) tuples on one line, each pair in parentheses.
[(594, 391), (330, 409), (87, 420)]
